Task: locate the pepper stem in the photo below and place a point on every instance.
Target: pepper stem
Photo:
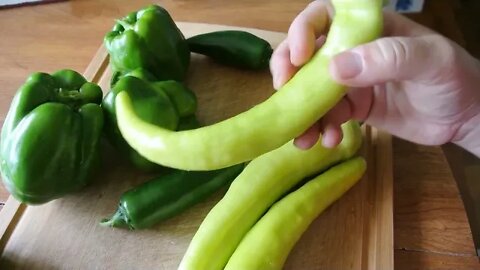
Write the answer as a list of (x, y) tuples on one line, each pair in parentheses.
[(72, 98), (125, 24), (118, 220)]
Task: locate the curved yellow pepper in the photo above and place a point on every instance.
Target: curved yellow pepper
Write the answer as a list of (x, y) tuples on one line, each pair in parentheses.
[(269, 125)]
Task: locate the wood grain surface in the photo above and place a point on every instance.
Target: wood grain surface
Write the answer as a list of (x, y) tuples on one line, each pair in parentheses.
[(421, 260), (61, 35), (445, 231)]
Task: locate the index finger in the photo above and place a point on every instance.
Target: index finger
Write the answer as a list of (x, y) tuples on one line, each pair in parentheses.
[(312, 22)]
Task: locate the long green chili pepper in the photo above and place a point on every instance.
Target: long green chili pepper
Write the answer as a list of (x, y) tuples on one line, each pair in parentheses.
[(269, 125), (233, 48), (267, 245), (168, 195), (263, 181)]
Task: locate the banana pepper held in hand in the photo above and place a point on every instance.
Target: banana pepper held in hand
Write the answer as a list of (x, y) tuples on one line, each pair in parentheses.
[(149, 39), (285, 115), (50, 139)]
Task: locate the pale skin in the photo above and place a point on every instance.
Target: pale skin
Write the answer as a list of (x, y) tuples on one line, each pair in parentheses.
[(412, 82)]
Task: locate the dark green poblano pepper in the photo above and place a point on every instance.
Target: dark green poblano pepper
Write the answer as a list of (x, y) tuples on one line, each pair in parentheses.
[(234, 48), (51, 136), (168, 195), (150, 39)]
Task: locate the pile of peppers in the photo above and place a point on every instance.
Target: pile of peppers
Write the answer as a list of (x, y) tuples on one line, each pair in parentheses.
[(149, 58), (149, 116)]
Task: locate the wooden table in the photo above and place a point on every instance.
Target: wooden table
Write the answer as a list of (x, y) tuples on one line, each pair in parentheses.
[(431, 228)]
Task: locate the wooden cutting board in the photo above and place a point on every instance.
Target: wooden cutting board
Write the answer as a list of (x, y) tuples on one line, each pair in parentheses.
[(354, 233)]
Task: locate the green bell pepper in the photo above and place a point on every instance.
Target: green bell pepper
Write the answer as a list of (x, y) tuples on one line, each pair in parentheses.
[(140, 73), (166, 104), (50, 139), (151, 103), (182, 97), (150, 39)]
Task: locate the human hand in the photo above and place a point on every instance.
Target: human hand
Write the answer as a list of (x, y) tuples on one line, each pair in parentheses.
[(413, 82)]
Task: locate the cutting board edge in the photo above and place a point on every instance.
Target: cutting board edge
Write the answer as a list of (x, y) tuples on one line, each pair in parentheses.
[(380, 235), (10, 216)]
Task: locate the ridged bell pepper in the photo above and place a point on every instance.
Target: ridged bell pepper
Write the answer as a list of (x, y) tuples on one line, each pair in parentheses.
[(50, 139), (159, 103), (150, 39)]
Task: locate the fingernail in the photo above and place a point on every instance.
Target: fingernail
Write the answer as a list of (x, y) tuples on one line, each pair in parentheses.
[(347, 65), (302, 144), (328, 141), (277, 79), (329, 137)]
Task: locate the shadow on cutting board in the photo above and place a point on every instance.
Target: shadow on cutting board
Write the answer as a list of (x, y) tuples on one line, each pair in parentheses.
[(15, 262)]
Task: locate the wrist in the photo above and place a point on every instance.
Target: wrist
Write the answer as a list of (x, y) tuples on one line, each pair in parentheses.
[(469, 135)]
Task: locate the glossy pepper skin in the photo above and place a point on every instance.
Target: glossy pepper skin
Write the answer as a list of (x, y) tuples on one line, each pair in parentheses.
[(263, 181), (169, 195), (269, 242), (234, 48), (50, 139), (151, 103), (305, 98), (182, 97), (150, 39), (140, 73)]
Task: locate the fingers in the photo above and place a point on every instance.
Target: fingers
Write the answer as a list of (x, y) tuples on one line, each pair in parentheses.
[(305, 30), (304, 38), (383, 60), (303, 41), (280, 65), (309, 138), (329, 126), (332, 121), (391, 59), (360, 101), (387, 58), (332, 135), (338, 114)]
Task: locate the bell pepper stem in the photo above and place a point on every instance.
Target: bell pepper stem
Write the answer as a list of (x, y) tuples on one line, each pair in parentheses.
[(124, 24)]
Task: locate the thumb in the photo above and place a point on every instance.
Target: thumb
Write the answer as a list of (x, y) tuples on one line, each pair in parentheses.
[(390, 59)]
